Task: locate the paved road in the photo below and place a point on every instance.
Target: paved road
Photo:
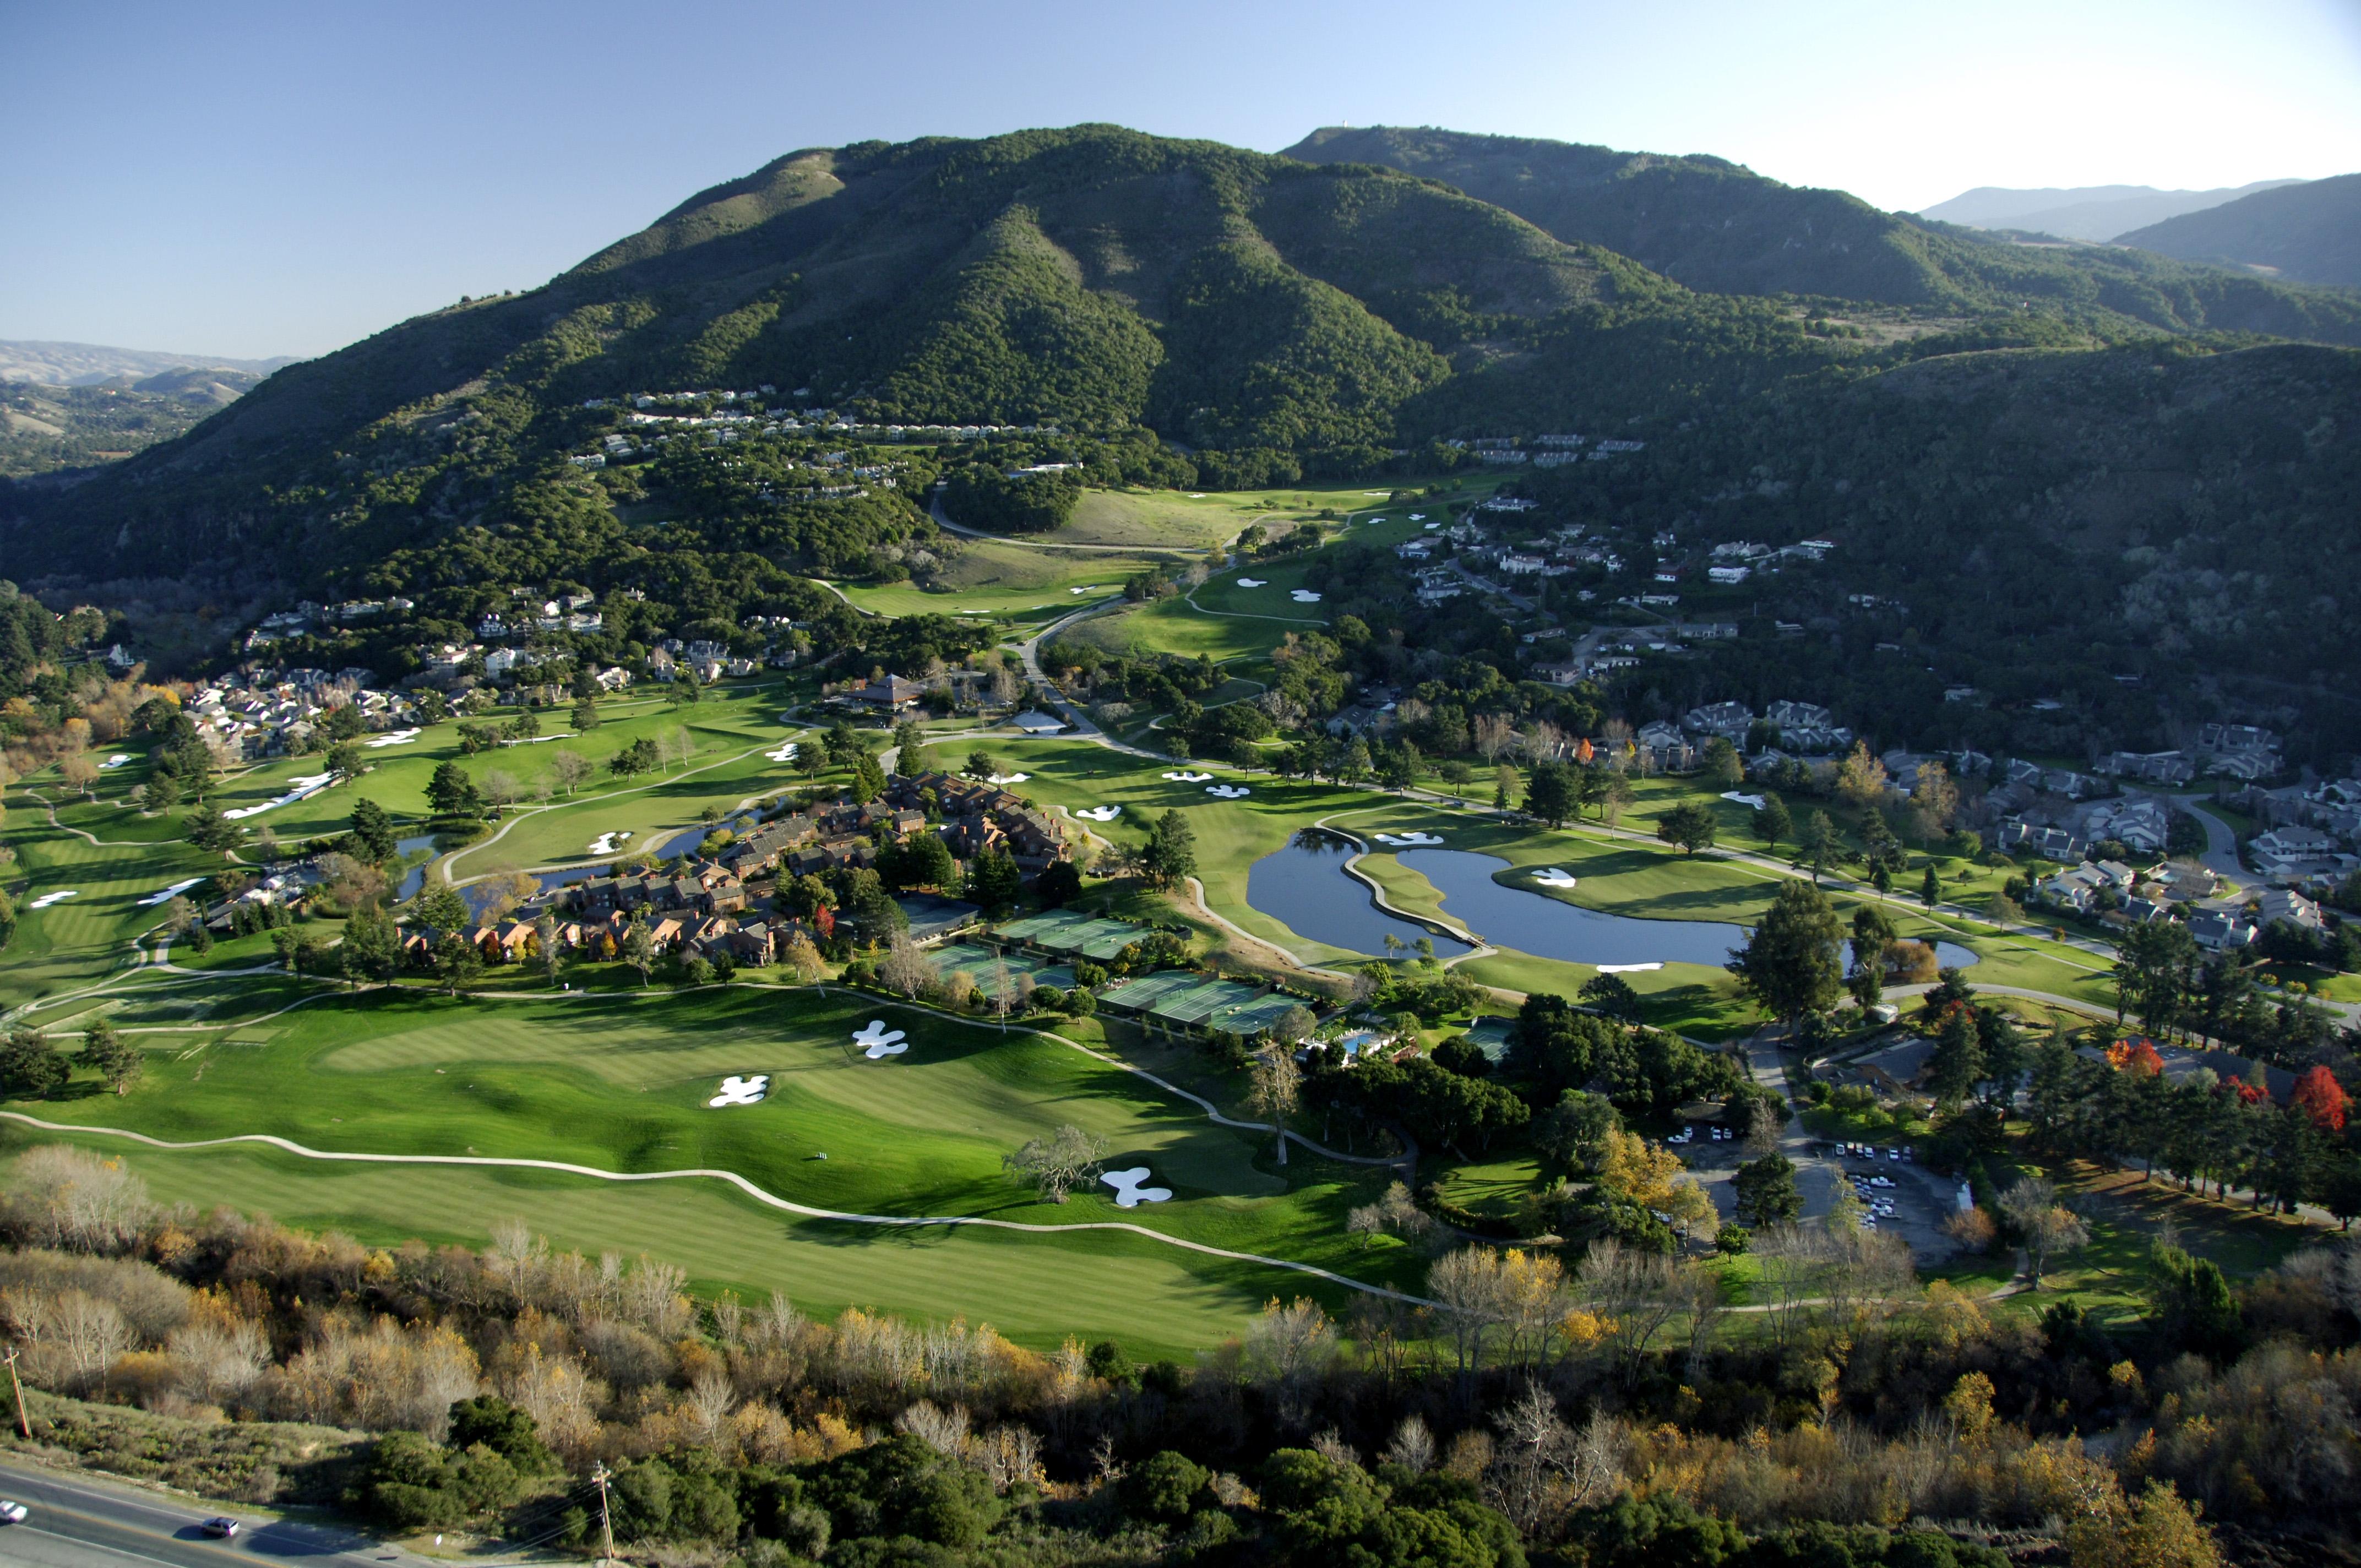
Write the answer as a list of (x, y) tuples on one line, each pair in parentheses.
[(2221, 855), (81, 1522)]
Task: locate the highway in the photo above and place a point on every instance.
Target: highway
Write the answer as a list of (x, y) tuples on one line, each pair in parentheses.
[(76, 1520)]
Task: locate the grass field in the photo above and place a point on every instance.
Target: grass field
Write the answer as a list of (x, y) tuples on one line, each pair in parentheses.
[(992, 577), (1156, 1300), (620, 1083)]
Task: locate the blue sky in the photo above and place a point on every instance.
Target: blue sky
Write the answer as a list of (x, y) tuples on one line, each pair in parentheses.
[(250, 179)]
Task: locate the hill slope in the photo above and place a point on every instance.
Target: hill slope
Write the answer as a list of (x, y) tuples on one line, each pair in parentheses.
[(1719, 226), (1093, 277), (2309, 233), (2092, 213)]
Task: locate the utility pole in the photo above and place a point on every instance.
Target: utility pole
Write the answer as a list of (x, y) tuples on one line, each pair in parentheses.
[(601, 1474), (24, 1423)]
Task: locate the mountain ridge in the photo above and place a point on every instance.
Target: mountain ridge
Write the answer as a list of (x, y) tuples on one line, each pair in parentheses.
[(1265, 316), (1719, 227), (2094, 212), (2310, 232), (60, 363)]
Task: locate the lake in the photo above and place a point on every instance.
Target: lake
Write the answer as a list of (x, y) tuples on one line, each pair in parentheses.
[(1305, 886)]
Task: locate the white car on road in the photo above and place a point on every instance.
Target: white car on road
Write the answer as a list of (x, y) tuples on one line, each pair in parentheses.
[(11, 1513)]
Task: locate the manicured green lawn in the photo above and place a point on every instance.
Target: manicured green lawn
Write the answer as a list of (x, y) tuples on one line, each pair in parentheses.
[(1154, 1299), (991, 578), (619, 1082)]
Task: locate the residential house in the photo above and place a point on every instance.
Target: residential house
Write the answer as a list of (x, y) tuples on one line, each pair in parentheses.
[(2282, 903), (2221, 933), (890, 694), (1730, 720)]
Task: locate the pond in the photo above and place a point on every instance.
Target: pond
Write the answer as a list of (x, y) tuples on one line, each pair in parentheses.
[(1304, 887), (1549, 927), (415, 877)]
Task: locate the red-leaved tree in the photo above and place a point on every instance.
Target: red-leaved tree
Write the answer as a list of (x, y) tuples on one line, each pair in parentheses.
[(2323, 1099)]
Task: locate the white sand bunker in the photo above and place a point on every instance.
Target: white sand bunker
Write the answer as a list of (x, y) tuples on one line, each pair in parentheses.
[(1753, 800), (1304, 596), (1418, 517), (1409, 841), (1627, 968), (1100, 812), (608, 843), (783, 752), (174, 891), (1254, 581), (1196, 495), (876, 1040), (117, 760), (309, 786), (1228, 792), (1433, 526), (741, 1091), (59, 897), (1185, 776), (1557, 876), (1093, 589), (1128, 1193), (1008, 778), (393, 738)]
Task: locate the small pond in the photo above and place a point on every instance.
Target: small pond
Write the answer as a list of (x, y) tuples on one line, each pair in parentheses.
[(415, 877), (1304, 887), (1550, 928)]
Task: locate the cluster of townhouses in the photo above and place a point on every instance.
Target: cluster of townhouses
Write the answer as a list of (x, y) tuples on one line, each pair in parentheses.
[(243, 718)]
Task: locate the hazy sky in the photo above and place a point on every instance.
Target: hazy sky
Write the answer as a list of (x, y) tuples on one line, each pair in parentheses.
[(250, 179)]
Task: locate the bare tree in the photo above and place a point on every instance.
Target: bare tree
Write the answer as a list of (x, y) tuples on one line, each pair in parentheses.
[(516, 1253), (709, 1401), (501, 788), (60, 1196), (1274, 1086), (1057, 1164), (1288, 1346), (1635, 1290), (1533, 1451), (906, 968), (1467, 1285), (1412, 1447), (567, 770)]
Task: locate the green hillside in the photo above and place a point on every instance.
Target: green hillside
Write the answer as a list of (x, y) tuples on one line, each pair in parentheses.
[(1719, 226), (2309, 233), (1191, 315)]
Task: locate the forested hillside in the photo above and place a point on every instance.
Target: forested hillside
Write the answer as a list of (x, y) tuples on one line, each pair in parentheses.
[(2309, 233), (1719, 226), (2102, 530), (1222, 317)]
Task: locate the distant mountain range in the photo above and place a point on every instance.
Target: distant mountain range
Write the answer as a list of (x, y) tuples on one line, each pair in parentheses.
[(88, 363), (2094, 213), (1720, 227), (2309, 233)]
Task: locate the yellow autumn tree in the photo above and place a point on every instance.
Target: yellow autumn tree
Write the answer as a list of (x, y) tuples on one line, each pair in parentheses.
[(1654, 1178), (2158, 1530)]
